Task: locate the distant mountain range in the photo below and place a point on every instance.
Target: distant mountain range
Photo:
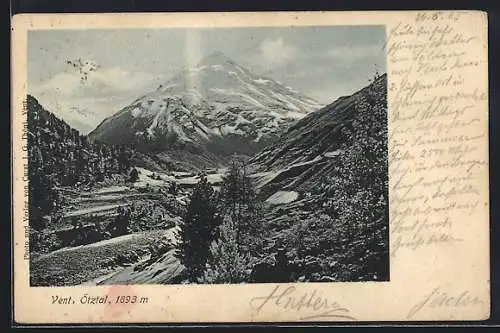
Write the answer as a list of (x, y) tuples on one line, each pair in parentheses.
[(215, 109)]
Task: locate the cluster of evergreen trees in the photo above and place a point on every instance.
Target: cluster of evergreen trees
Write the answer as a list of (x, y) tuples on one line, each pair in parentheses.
[(362, 169), (221, 233), (59, 156), (355, 197)]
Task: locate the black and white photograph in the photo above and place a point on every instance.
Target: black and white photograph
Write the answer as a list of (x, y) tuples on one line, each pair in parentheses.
[(207, 155)]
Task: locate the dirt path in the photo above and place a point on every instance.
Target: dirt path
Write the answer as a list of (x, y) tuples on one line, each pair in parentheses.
[(75, 265), (164, 269), (96, 209)]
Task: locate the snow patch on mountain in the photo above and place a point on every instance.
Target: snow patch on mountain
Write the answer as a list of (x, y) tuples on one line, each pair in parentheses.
[(136, 112), (282, 197), (262, 81), (333, 153)]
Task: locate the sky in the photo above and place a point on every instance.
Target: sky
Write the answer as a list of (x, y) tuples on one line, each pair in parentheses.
[(321, 62)]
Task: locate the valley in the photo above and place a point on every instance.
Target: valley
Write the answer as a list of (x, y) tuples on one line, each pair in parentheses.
[(296, 191)]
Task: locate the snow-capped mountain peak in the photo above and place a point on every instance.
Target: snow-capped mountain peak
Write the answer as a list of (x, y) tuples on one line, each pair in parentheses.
[(215, 101), (216, 58)]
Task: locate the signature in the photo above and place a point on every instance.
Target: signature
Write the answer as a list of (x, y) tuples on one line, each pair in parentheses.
[(289, 299), (439, 299)]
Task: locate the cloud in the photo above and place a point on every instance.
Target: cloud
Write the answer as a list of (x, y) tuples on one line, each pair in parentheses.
[(85, 103), (112, 81), (348, 53), (84, 113), (275, 52)]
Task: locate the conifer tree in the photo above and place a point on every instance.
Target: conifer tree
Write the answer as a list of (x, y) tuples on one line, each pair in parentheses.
[(238, 200), (197, 230), (228, 263), (134, 175)]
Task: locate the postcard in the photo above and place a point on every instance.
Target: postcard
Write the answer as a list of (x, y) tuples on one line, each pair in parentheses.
[(250, 167)]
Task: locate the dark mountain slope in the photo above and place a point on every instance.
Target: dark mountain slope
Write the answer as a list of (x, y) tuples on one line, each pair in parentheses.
[(315, 144), (59, 156), (326, 184)]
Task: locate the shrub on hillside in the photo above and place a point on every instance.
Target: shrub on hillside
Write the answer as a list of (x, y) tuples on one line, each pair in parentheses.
[(43, 242), (133, 176), (228, 264)]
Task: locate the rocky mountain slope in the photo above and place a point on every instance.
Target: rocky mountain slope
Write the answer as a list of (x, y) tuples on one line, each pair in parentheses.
[(214, 109), (326, 184), (314, 146)]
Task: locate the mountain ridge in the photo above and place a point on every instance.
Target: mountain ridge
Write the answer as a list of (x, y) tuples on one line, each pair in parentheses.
[(316, 142)]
